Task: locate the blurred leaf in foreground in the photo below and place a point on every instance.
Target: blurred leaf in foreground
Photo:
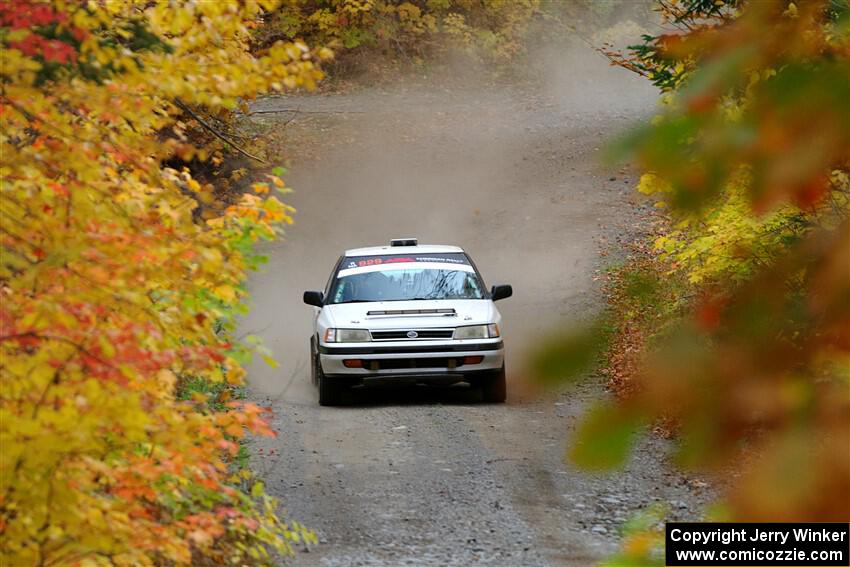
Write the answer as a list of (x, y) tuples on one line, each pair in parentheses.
[(605, 437), (751, 156), (570, 354)]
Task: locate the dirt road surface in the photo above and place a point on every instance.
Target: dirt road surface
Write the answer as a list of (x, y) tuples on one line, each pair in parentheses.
[(412, 477)]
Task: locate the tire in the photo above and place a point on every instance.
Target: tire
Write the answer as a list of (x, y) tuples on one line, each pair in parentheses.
[(331, 392), (494, 387), (314, 362)]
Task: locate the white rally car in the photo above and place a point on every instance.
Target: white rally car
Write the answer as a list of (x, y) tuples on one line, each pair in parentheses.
[(406, 313)]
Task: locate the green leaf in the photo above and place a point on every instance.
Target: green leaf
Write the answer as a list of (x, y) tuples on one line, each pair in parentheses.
[(257, 489), (604, 437), (571, 355)]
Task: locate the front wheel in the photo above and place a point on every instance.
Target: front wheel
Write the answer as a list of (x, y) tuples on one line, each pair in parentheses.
[(494, 388), (314, 362), (331, 391)]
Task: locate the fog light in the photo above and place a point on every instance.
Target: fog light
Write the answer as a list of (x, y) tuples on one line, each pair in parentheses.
[(352, 363), (472, 359)]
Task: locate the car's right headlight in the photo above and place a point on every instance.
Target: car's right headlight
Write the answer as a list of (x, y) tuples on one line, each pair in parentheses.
[(490, 331), (347, 336)]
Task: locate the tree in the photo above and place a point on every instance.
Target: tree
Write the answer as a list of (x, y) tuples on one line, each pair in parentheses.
[(412, 29), (113, 291), (750, 157)]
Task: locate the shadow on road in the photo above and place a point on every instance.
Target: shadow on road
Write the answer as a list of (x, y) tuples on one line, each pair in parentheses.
[(413, 395)]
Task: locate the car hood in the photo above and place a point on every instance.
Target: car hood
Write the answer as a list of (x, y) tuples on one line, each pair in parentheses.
[(411, 314)]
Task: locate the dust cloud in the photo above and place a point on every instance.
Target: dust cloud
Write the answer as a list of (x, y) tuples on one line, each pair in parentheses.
[(509, 172)]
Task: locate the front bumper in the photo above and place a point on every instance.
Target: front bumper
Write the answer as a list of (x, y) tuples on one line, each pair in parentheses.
[(429, 360)]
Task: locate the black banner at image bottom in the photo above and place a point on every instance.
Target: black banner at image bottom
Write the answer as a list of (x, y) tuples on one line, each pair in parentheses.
[(761, 544)]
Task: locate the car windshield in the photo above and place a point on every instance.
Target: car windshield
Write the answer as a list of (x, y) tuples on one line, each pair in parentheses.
[(400, 284)]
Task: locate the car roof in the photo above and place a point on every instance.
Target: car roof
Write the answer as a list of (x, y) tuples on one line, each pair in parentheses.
[(395, 250)]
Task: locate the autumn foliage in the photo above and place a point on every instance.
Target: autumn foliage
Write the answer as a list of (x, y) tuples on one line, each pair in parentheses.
[(412, 30), (754, 165), (114, 292), (733, 329), (752, 158)]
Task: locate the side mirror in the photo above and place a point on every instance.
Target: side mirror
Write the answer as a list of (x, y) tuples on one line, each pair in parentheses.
[(501, 292), (316, 298)]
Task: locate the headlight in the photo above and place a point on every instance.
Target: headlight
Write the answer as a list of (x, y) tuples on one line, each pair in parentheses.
[(347, 336), (490, 331)]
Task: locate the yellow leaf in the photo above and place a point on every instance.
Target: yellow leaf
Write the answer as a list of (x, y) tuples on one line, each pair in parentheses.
[(225, 292), (650, 183)]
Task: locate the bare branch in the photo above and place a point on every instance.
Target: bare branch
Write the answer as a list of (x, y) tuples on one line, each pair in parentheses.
[(299, 111), (182, 106)]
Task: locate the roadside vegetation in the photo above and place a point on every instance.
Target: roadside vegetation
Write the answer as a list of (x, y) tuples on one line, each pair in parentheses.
[(412, 30), (380, 37), (728, 326), (122, 271)]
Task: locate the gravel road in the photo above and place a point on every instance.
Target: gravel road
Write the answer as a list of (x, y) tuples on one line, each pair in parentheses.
[(512, 174)]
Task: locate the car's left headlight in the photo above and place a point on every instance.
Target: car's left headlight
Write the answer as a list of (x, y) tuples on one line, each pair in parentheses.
[(490, 331), (347, 336)]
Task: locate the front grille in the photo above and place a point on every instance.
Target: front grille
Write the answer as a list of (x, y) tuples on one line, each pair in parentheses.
[(420, 334)]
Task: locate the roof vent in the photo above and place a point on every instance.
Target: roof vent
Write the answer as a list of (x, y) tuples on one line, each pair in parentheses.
[(404, 242)]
